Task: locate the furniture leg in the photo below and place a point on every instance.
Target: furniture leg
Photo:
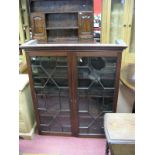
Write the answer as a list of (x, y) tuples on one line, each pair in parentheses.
[(107, 149)]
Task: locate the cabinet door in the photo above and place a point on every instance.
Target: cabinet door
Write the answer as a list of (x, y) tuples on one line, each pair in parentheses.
[(118, 23), (96, 78), (129, 54), (38, 26), (51, 88), (114, 17), (85, 21)]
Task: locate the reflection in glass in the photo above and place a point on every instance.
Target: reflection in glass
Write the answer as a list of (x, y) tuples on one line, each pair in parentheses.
[(117, 12), (50, 76), (96, 82)]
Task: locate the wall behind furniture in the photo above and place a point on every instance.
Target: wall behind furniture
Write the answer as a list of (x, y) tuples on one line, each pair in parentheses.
[(126, 99)]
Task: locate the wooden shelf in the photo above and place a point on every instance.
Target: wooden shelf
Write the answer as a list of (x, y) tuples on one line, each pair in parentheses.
[(63, 28), (59, 20), (67, 12), (62, 12), (59, 39)]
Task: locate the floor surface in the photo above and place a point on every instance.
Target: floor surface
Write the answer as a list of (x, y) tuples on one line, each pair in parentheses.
[(63, 145), (71, 145)]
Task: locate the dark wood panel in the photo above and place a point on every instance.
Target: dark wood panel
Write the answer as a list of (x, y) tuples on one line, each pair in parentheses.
[(59, 20), (62, 28), (74, 106), (99, 53), (85, 21), (47, 53), (62, 19), (38, 26), (61, 5), (56, 35)]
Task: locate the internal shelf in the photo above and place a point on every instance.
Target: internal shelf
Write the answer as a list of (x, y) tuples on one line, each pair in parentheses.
[(62, 39), (61, 35), (63, 28), (61, 5), (62, 21), (66, 11)]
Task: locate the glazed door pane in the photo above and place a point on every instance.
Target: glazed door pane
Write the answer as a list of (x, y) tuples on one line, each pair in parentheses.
[(117, 20), (50, 76), (95, 91)]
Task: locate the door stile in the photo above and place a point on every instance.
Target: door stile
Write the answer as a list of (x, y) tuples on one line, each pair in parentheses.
[(73, 93), (33, 92)]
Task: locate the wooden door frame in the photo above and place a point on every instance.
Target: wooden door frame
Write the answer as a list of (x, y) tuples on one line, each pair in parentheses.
[(73, 93), (118, 56), (34, 98)]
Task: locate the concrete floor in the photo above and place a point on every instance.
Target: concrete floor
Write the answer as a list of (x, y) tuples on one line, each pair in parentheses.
[(126, 99)]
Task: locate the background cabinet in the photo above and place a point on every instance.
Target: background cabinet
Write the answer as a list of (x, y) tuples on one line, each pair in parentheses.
[(26, 113), (61, 20), (73, 86), (118, 22), (24, 32)]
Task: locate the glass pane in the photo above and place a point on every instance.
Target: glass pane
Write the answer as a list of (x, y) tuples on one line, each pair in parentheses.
[(117, 12), (132, 38), (96, 81), (50, 76)]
